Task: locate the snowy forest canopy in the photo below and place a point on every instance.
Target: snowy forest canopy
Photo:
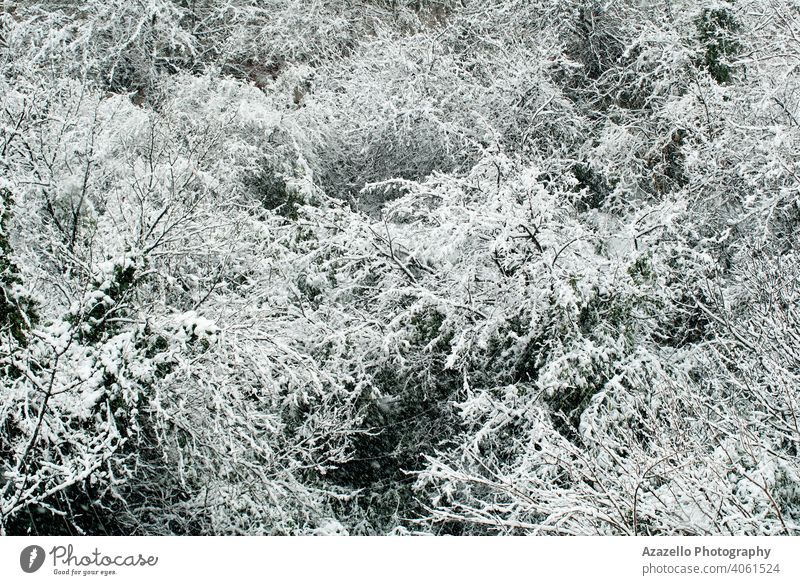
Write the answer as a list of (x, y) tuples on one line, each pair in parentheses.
[(399, 267)]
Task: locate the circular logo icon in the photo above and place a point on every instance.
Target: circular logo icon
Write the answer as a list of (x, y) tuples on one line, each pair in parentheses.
[(31, 558)]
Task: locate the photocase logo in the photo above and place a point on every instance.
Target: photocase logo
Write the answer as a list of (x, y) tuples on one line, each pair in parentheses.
[(31, 558)]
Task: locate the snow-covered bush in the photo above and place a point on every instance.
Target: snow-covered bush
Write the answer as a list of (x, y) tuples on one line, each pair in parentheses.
[(317, 267)]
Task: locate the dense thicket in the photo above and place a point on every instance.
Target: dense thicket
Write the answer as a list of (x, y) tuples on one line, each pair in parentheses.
[(451, 267)]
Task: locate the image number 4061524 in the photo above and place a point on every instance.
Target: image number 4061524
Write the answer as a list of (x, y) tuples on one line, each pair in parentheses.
[(31, 558)]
